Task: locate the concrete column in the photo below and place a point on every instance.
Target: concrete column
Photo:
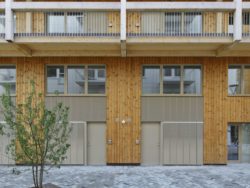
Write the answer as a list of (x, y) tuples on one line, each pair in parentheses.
[(123, 20), (238, 20), (9, 21)]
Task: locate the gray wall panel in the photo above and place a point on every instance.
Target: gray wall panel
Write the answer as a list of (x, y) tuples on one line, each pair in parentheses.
[(82, 108), (172, 109)]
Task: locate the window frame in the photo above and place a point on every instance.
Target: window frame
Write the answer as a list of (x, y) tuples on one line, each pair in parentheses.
[(242, 69), (181, 80), (66, 80), (14, 66)]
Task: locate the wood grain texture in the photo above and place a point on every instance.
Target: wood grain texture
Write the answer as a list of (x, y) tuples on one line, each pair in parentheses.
[(123, 99)]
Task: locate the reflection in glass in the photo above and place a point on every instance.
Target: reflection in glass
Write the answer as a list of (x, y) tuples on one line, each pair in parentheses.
[(151, 80), (192, 80), (171, 79), (8, 79), (234, 77), (233, 142), (55, 79), (76, 80), (96, 79)]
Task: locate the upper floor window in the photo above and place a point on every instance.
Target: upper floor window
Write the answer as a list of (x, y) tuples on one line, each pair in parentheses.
[(61, 22), (79, 79), (172, 79), (188, 22), (239, 79), (2, 23), (8, 79)]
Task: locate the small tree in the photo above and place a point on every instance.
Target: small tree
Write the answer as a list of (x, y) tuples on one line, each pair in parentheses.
[(39, 136)]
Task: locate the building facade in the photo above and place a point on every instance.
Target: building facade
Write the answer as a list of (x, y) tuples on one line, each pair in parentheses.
[(150, 83)]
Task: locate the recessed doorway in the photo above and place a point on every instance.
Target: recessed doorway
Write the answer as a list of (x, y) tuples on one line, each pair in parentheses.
[(238, 142)]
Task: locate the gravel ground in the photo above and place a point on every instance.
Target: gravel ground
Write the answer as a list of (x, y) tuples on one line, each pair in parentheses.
[(231, 176)]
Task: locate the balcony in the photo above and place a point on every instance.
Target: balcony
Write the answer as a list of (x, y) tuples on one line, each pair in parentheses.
[(125, 28)]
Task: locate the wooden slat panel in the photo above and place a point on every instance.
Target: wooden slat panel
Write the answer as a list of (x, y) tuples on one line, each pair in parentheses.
[(133, 22), (38, 24), (113, 22), (209, 22)]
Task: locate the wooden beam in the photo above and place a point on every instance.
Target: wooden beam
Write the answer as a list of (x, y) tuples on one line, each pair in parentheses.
[(225, 48), (123, 49), (23, 49)]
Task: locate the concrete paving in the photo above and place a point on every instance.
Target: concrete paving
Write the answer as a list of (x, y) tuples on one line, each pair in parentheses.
[(230, 176)]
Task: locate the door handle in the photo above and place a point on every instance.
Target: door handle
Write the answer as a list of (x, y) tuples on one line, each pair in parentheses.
[(109, 141)]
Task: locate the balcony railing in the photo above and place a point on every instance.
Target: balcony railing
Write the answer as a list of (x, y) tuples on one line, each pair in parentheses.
[(2, 25), (67, 23), (191, 24), (246, 24)]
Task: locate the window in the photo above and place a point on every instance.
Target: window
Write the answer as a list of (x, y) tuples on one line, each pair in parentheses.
[(189, 22), (193, 22), (192, 80), (55, 22), (172, 80), (2, 23), (96, 79), (74, 22), (60, 22), (8, 79), (76, 80), (80, 79), (172, 83), (173, 22), (239, 80), (55, 79), (151, 80)]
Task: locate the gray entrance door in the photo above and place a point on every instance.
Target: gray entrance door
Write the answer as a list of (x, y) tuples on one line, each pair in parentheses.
[(181, 143)]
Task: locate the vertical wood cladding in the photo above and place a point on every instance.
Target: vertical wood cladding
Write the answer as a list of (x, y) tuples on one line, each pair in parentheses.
[(123, 99)]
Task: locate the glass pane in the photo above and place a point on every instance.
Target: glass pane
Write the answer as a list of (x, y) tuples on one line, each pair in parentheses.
[(55, 79), (2, 23), (55, 22), (171, 80), (246, 80), (192, 22), (234, 83), (233, 142), (173, 22), (151, 80), (192, 80), (96, 79), (74, 22), (245, 143), (76, 80), (8, 79)]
